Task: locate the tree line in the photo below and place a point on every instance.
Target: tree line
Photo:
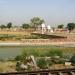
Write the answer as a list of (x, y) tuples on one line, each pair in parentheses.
[(9, 25), (35, 21), (70, 26)]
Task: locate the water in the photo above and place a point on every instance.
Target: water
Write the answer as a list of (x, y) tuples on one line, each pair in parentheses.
[(10, 52)]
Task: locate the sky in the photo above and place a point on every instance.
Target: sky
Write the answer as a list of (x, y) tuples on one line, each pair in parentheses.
[(54, 12)]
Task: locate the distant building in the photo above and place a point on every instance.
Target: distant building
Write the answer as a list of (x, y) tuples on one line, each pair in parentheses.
[(49, 29), (43, 27)]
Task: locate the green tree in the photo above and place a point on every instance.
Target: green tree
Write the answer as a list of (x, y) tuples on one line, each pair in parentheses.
[(9, 25), (2, 26), (25, 26), (60, 26), (35, 21), (70, 26)]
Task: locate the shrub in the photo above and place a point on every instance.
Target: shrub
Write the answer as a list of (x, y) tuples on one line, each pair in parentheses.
[(55, 53), (18, 68), (42, 63), (73, 59), (61, 61), (18, 58), (21, 57)]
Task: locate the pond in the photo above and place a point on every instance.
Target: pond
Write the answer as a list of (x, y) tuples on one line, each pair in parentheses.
[(10, 52)]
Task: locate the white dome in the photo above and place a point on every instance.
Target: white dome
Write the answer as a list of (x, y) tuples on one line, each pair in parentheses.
[(49, 27), (43, 25)]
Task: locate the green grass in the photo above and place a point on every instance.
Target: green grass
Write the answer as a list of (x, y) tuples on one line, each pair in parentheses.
[(43, 50)]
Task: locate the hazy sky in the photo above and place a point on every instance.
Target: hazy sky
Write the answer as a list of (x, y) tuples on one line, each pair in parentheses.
[(52, 11)]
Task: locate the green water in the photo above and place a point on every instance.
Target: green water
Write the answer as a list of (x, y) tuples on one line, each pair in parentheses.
[(9, 52)]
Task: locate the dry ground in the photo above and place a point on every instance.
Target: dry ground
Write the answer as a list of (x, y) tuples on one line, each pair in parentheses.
[(7, 66), (15, 32)]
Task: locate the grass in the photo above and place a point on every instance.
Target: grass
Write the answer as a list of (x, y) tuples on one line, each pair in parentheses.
[(36, 51), (43, 50), (50, 47)]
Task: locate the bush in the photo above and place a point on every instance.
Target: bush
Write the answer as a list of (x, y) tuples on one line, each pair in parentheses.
[(21, 57), (61, 61), (18, 68), (73, 59), (42, 63), (55, 53), (18, 58)]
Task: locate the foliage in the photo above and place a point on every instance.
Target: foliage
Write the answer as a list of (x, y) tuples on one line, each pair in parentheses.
[(9, 25), (18, 68), (30, 52), (23, 56), (60, 26), (61, 61), (2, 26), (55, 53), (42, 63), (25, 26), (18, 58), (70, 26), (35, 21), (58, 61), (73, 59), (47, 50)]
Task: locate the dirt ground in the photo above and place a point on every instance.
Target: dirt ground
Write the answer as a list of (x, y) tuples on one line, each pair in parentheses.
[(15, 32)]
